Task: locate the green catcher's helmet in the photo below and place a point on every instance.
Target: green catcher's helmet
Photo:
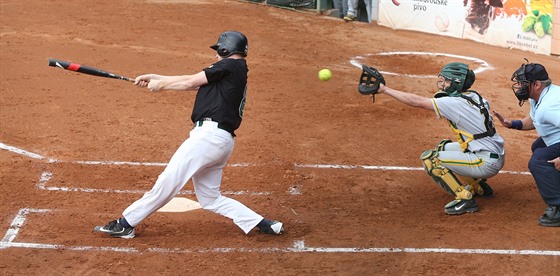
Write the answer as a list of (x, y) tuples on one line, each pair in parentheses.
[(461, 77)]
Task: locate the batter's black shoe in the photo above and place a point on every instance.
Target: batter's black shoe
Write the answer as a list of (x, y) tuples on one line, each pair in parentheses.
[(551, 217), (115, 229), (271, 227), (484, 189), (461, 206)]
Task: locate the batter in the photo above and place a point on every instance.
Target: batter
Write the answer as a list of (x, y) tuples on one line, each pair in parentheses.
[(217, 113)]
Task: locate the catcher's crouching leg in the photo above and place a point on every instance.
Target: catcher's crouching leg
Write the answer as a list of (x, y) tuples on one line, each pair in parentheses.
[(478, 186), (441, 145), (463, 201)]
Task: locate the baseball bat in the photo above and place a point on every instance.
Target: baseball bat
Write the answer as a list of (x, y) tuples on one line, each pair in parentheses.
[(85, 69)]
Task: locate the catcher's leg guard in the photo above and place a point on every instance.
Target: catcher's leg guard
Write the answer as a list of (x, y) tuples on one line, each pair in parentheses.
[(441, 145), (443, 176), (478, 186)]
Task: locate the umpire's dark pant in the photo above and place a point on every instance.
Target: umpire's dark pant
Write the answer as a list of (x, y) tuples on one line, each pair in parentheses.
[(546, 176)]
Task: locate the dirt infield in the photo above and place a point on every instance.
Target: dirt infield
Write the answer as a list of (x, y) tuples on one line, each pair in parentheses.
[(341, 172)]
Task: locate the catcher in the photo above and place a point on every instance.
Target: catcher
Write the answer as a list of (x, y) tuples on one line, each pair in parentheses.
[(462, 167)]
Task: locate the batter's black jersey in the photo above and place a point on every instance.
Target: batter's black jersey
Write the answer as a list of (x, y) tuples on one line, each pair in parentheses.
[(223, 98)]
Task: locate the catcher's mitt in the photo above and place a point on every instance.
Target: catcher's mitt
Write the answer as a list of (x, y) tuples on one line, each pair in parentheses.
[(369, 81)]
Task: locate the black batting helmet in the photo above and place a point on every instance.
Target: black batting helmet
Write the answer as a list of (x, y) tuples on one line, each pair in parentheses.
[(231, 42)]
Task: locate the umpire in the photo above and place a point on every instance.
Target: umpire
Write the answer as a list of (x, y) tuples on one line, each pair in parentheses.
[(531, 82)]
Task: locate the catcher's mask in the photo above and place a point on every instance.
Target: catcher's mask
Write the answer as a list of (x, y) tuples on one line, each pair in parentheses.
[(524, 77), (231, 42), (459, 76)]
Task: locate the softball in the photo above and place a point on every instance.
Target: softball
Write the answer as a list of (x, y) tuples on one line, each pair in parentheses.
[(325, 74)]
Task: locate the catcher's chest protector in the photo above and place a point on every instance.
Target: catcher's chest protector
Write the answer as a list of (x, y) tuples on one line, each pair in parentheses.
[(488, 124)]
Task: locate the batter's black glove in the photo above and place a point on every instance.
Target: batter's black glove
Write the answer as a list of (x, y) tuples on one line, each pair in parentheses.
[(369, 81)]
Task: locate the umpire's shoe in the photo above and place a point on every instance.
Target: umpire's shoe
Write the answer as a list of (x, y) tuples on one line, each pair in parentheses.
[(271, 227), (461, 206), (115, 229), (551, 217)]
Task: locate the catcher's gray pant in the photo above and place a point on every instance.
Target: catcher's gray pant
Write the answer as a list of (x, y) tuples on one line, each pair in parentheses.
[(481, 164), (201, 157)]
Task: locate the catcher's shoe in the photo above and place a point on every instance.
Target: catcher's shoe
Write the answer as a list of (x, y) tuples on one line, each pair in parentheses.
[(551, 217), (461, 206), (271, 227), (484, 189), (115, 229)]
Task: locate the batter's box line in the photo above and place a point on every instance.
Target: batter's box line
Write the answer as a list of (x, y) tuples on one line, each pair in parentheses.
[(317, 166), (46, 177), (297, 247), (33, 155), (382, 168)]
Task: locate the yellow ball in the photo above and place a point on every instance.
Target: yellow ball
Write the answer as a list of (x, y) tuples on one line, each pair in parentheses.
[(325, 74)]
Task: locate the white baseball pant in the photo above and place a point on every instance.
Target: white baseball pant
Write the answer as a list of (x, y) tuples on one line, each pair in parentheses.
[(201, 157)]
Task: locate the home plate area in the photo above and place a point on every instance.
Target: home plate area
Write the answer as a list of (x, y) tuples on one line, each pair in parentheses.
[(76, 181), (180, 204), (30, 229)]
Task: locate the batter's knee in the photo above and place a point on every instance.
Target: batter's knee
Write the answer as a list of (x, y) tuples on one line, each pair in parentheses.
[(205, 202)]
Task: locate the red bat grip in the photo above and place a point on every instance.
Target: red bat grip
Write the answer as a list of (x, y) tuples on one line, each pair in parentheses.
[(84, 69)]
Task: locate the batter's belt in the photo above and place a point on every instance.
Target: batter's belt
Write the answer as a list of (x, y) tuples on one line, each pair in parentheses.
[(218, 125)]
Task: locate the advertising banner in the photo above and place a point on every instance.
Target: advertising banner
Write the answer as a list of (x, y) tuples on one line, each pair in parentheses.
[(518, 24), (442, 17)]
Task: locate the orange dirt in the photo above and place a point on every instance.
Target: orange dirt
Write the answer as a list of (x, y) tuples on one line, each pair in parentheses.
[(291, 118)]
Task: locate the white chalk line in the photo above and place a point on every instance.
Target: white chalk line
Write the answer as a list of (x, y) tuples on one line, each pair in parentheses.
[(297, 247), (46, 177), (483, 65), (158, 164), (383, 168), (316, 166), (18, 222), (25, 153)]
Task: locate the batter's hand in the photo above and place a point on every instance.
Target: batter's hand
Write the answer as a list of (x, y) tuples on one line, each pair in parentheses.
[(154, 85), (505, 121), (149, 80), (556, 162), (142, 80)]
